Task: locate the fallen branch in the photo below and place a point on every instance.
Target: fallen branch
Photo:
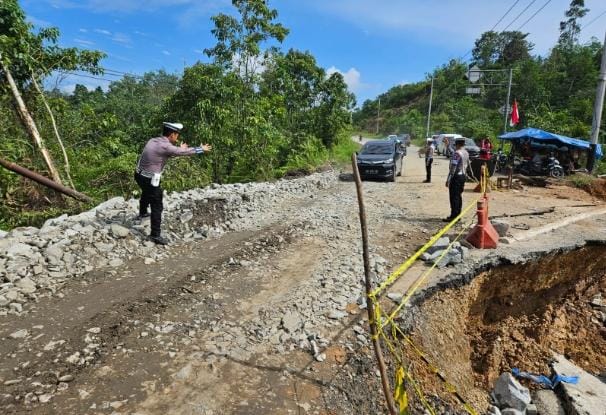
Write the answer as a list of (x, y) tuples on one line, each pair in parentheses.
[(45, 181), (534, 212)]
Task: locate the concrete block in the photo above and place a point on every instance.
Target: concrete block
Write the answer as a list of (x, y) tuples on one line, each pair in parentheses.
[(547, 402), (588, 396)]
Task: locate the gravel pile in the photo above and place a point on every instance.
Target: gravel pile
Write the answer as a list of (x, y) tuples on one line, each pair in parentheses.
[(37, 262)]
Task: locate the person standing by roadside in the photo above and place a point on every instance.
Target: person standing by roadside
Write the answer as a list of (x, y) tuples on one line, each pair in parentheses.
[(485, 149), (456, 178), (149, 171), (429, 151)]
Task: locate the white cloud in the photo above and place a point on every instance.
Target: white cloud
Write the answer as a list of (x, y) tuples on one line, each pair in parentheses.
[(165, 52), (191, 7), (66, 83), (457, 24), (103, 32), (199, 51), (255, 63), (122, 39), (352, 78), (118, 57), (84, 42), (83, 30)]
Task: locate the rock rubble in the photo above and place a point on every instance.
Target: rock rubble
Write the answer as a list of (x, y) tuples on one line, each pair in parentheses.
[(36, 262)]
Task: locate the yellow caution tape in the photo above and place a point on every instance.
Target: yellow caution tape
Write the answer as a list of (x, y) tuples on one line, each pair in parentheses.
[(402, 268), (400, 394)]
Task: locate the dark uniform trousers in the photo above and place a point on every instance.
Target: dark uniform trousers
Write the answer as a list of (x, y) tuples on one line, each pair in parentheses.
[(150, 196), (455, 190), (428, 163)]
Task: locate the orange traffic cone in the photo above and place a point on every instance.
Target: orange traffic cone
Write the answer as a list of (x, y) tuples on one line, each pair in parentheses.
[(483, 235)]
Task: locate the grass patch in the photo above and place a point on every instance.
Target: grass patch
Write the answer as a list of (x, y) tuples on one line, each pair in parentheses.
[(341, 152), (581, 180)]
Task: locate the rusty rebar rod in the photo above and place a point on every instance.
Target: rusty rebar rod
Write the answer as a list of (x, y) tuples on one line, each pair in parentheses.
[(368, 285), (45, 181)]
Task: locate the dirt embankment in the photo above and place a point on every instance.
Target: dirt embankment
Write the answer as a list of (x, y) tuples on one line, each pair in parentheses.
[(517, 316)]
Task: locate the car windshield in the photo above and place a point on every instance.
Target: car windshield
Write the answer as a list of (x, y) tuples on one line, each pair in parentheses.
[(377, 148), (470, 142)]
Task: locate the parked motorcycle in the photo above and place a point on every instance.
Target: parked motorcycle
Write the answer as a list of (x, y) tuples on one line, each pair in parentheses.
[(550, 167), (500, 160)]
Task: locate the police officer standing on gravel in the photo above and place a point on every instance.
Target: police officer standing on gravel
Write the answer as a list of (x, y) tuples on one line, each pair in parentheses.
[(149, 169), (429, 152), (456, 178)]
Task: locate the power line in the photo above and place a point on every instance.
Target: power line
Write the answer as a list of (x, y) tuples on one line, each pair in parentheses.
[(506, 13), (518, 16), (600, 15), (535, 13), (115, 72), (495, 25), (86, 76)]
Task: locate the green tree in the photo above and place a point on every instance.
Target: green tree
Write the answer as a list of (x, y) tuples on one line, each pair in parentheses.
[(570, 28)]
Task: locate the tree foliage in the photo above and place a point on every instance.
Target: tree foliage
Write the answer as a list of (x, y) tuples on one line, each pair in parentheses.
[(554, 92), (265, 111)]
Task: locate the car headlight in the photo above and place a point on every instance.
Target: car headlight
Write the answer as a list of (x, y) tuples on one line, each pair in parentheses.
[(388, 161)]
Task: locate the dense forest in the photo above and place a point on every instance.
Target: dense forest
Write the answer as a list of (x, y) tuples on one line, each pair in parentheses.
[(554, 93), (290, 117)]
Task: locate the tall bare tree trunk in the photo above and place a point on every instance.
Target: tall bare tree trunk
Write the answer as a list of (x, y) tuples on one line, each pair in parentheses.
[(54, 123), (29, 124)]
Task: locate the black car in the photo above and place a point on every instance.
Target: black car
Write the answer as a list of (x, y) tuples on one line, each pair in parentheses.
[(381, 159), (472, 148), (405, 138)]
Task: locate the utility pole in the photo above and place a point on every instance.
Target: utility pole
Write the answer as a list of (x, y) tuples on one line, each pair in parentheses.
[(507, 101), (378, 115), (429, 109), (597, 110)]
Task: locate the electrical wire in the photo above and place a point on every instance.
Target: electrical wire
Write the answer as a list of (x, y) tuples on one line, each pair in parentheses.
[(600, 15), (518, 16), (120, 73), (86, 76), (506, 13), (495, 25), (535, 13)]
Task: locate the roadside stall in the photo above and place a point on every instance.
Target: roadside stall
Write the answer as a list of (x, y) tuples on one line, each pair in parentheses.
[(537, 151)]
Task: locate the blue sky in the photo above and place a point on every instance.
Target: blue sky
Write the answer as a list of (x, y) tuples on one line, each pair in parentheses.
[(376, 44)]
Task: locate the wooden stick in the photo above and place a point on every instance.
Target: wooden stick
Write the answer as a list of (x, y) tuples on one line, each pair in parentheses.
[(368, 285), (535, 212)]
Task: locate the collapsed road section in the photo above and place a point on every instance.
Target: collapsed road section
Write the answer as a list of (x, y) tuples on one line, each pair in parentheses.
[(516, 314)]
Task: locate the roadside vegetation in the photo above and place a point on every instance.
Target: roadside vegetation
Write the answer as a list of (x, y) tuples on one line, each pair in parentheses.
[(554, 92), (290, 117)]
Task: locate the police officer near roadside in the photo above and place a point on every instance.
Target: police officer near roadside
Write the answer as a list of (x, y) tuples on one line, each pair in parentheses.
[(148, 173), (430, 149), (456, 178)]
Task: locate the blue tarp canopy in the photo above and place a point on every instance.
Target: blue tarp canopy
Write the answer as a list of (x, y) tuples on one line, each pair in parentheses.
[(546, 137)]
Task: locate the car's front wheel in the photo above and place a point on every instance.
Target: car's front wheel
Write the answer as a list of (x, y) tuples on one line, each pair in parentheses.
[(392, 177)]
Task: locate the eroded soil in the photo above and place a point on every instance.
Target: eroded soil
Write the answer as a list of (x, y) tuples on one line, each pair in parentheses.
[(518, 316)]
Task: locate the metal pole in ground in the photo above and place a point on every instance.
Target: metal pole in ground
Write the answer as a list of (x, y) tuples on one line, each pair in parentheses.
[(44, 181), (391, 405), (429, 109), (597, 110), (507, 100)]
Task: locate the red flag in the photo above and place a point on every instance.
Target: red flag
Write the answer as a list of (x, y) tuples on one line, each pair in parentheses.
[(515, 115)]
